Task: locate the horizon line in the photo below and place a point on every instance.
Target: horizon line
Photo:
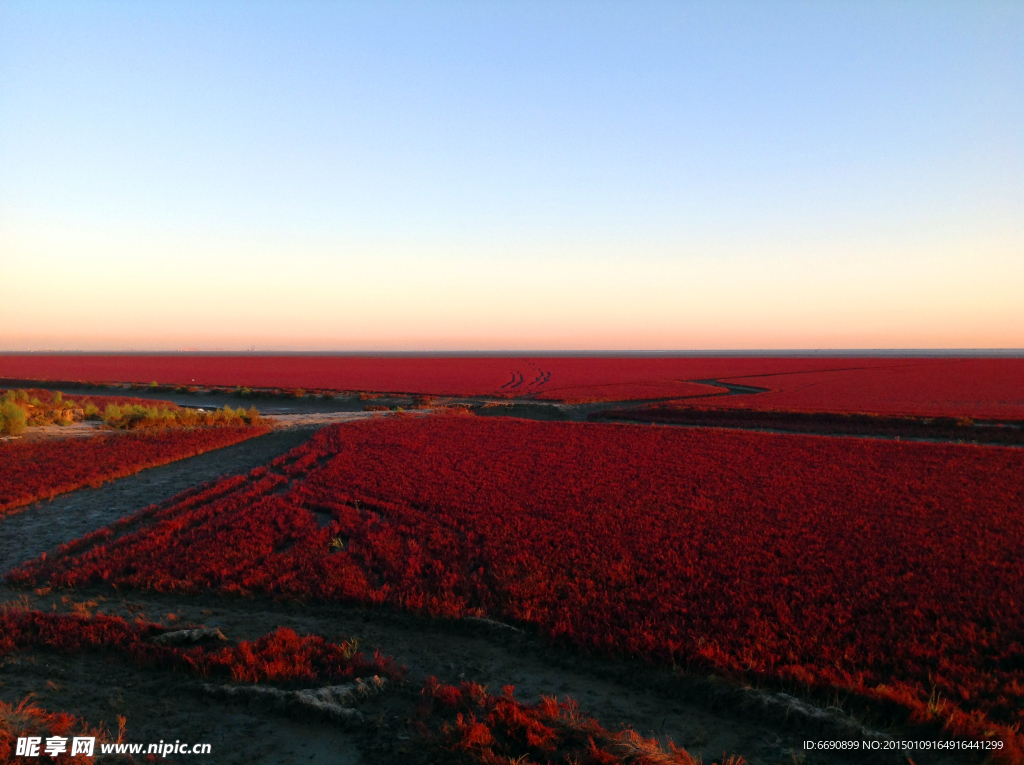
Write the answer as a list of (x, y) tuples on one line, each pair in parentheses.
[(500, 353)]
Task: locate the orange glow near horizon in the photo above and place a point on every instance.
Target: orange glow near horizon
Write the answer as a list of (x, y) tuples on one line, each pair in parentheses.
[(210, 294)]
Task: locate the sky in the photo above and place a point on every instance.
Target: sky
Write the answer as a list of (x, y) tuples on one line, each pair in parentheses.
[(450, 176)]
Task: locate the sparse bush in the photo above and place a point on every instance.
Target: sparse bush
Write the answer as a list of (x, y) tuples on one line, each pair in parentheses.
[(136, 416), (12, 419), (33, 411), (465, 724)]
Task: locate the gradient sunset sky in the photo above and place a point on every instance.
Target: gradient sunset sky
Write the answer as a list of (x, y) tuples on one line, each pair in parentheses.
[(511, 175)]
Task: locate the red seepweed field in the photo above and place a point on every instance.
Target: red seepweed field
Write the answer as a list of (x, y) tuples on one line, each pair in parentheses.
[(985, 388), (886, 571), (980, 388), (881, 578)]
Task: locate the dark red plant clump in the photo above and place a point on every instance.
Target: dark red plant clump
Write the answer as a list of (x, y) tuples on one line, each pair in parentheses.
[(26, 719), (988, 388), (281, 657), (34, 470), (465, 724), (890, 570)]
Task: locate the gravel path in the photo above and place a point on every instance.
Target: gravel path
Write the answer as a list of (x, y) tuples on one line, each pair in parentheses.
[(317, 418)]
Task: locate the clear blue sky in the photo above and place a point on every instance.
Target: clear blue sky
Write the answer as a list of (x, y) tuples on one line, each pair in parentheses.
[(511, 175)]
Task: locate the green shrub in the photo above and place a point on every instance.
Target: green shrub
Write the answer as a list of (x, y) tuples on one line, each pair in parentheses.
[(141, 416), (12, 418)]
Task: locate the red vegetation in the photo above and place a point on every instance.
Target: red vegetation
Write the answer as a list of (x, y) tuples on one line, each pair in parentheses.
[(891, 570), (34, 470), (985, 388), (981, 388), (631, 392), (465, 724), (280, 657), (26, 719)]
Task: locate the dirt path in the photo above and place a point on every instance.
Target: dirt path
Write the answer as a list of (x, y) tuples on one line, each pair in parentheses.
[(733, 388), (84, 429), (316, 418), (44, 525)]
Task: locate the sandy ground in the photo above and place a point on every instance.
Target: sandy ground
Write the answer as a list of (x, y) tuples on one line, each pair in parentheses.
[(316, 418), (48, 432)]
